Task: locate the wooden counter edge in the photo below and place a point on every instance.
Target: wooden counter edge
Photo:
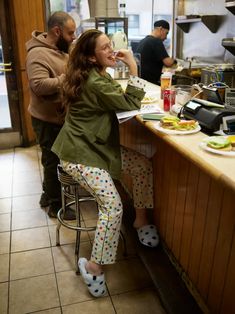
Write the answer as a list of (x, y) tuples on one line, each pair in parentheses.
[(212, 171)]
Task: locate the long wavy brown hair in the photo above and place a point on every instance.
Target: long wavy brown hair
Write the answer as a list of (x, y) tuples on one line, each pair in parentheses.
[(79, 65)]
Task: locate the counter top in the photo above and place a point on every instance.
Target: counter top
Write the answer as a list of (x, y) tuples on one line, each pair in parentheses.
[(218, 166)]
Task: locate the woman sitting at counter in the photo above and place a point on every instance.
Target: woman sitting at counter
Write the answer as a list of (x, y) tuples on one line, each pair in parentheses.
[(89, 149)]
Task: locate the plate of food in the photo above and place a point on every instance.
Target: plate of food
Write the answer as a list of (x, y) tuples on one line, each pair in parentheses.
[(175, 126), (220, 145), (148, 99)]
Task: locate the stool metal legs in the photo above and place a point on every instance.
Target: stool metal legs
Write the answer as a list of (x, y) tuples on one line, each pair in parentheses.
[(71, 196), (78, 228)]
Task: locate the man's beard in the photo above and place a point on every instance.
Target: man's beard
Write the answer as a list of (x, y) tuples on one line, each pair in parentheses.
[(62, 44)]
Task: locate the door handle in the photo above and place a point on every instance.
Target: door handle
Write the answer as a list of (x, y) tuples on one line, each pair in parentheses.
[(4, 67), (5, 70), (5, 64)]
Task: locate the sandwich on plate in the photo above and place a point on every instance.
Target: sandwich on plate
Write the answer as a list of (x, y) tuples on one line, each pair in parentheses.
[(220, 143), (231, 138), (174, 123)]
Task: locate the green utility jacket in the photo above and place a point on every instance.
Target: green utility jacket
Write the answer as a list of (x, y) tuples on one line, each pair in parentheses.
[(90, 134)]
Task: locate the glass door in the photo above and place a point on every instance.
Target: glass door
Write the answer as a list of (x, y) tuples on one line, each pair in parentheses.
[(5, 120), (10, 127)]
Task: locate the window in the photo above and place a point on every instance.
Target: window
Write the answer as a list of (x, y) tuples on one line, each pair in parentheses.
[(78, 9), (141, 19)]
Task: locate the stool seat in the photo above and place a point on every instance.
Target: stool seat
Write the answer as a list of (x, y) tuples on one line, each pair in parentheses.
[(73, 194)]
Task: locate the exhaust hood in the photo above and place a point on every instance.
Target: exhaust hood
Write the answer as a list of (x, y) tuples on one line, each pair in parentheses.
[(230, 5), (229, 44)]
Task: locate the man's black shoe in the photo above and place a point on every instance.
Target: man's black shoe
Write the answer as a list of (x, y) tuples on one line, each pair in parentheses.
[(44, 200), (52, 213), (68, 215)]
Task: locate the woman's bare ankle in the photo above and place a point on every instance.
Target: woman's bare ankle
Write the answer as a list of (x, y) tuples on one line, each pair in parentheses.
[(93, 268), (140, 218)]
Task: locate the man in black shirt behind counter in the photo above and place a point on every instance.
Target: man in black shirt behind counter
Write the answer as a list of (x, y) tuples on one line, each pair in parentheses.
[(153, 53)]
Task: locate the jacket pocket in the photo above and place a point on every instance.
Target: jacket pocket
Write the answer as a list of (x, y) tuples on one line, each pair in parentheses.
[(104, 129)]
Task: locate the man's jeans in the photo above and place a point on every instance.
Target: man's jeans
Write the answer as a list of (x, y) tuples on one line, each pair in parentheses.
[(46, 134)]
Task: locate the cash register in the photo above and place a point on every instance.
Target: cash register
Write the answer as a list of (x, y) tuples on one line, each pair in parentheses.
[(212, 114)]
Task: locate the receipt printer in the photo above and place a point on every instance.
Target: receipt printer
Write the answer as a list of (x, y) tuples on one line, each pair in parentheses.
[(211, 116)]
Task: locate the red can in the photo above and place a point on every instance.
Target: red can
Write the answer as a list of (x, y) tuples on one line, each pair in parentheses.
[(168, 99)]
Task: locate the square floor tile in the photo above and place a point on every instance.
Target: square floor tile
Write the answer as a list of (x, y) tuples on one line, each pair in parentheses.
[(25, 164), (130, 244), (27, 188), (6, 176), (127, 275), (6, 155), (26, 176), (72, 289), (31, 263), (5, 188), (91, 223), (6, 163), (50, 221), (98, 306), (6, 166), (5, 205), (31, 151), (26, 202), (4, 269), (64, 255), (89, 211), (3, 297), (4, 242), (33, 294), (66, 235), (5, 222), (28, 219), (138, 302), (130, 250), (29, 239)]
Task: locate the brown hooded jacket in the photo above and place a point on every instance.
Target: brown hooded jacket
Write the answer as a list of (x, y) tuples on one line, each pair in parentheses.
[(45, 66)]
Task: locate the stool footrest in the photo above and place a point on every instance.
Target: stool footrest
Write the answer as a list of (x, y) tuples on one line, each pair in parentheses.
[(68, 225)]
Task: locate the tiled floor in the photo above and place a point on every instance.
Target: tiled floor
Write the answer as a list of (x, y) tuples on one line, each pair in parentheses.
[(38, 276)]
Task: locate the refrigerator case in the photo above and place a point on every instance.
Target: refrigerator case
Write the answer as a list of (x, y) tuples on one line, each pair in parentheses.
[(210, 75)]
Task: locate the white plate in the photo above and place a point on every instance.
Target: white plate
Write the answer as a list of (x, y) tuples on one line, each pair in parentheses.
[(175, 132), (204, 146)]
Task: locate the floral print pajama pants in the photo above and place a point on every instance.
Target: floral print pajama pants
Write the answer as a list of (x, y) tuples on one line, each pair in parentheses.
[(100, 184)]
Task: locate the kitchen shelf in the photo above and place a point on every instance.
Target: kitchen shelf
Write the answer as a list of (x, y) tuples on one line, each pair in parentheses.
[(229, 44), (210, 21), (230, 5)]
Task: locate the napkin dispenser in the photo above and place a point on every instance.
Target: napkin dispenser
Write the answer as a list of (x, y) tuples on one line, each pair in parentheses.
[(209, 115)]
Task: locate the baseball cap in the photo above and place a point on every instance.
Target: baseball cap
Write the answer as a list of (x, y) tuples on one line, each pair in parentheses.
[(162, 23)]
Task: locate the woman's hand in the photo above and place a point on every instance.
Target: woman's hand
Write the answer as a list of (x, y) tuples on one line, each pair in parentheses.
[(127, 57)]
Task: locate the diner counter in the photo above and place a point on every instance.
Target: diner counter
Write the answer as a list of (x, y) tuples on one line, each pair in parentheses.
[(219, 166), (194, 209)]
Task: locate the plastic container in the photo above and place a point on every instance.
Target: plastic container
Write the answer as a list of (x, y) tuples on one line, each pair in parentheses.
[(183, 94)]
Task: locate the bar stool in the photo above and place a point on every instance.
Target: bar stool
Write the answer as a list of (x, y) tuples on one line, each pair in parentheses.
[(73, 194)]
